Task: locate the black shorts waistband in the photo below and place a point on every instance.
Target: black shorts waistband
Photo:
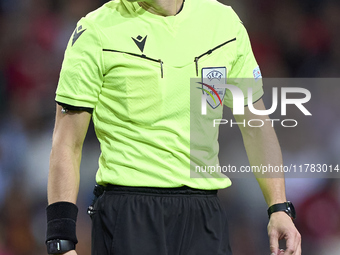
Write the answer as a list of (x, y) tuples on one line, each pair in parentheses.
[(184, 190)]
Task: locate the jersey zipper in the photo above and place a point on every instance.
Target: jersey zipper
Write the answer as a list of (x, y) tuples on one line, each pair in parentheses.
[(209, 52), (140, 56)]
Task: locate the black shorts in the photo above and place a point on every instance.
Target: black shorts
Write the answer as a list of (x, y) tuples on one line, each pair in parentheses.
[(158, 221)]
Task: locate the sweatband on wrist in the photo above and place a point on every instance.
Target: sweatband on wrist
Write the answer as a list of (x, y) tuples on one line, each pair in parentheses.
[(61, 221)]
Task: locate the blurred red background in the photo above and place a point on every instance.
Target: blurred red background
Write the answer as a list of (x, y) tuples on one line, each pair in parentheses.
[(297, 38)]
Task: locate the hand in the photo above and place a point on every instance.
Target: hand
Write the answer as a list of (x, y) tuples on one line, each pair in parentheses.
[(282, 227)]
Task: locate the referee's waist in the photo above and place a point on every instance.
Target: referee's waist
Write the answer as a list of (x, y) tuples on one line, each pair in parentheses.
[(185, 190)]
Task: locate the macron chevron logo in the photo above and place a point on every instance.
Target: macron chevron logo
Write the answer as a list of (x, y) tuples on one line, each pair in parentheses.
[(140, 42)]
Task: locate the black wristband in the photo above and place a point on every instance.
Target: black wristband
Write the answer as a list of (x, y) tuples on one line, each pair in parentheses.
[(61, 221), (59, 246)]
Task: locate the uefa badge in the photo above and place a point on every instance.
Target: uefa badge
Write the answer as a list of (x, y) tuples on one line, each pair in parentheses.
[(211, 77)]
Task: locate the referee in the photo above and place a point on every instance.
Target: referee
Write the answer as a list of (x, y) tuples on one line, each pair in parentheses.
[(128, 66)]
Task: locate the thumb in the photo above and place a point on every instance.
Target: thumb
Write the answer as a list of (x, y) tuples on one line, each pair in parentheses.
[(273, 243)]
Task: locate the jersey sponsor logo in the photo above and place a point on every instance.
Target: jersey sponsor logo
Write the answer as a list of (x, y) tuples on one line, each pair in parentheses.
[(77, 33), (257, 73), (212, 76), (140, 42)]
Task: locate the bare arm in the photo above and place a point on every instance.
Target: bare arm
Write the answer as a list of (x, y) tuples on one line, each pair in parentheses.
[(263, 148), (68, 138)]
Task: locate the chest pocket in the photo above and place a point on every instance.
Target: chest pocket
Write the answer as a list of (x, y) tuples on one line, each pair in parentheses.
[(138, 79), (214, 56)]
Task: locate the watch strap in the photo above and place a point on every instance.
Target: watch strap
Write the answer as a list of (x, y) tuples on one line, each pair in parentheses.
[(286, 207)]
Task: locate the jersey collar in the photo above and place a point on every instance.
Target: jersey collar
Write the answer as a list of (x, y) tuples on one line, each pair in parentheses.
[(143, 13)]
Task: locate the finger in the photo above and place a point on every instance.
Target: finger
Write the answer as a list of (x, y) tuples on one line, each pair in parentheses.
[(297, 240), (298, 251), (291, 245), (273, 243)]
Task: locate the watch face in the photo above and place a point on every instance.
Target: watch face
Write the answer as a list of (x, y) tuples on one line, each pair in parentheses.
[(291, 209), (53, 247)]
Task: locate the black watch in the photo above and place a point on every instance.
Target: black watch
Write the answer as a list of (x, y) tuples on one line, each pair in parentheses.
[(287, 207), (59, 246)]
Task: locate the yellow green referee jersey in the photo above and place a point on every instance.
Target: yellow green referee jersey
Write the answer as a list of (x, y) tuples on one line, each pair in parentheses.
[(133, 68)]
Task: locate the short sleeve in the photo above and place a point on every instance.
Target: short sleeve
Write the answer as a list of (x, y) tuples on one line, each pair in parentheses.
[(245, 72), (81, 75)]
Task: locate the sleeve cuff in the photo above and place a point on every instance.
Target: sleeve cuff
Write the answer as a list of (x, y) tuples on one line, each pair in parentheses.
[(75, 108), (74, 104)]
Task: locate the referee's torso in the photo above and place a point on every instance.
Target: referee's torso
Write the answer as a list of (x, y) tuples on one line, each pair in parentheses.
[(134, 68)]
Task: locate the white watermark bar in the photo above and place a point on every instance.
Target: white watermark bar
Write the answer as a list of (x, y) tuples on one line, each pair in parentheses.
[(304, 113), (314, 169)]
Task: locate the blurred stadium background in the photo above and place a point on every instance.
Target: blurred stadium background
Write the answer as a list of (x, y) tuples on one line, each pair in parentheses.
[(292, 38)]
